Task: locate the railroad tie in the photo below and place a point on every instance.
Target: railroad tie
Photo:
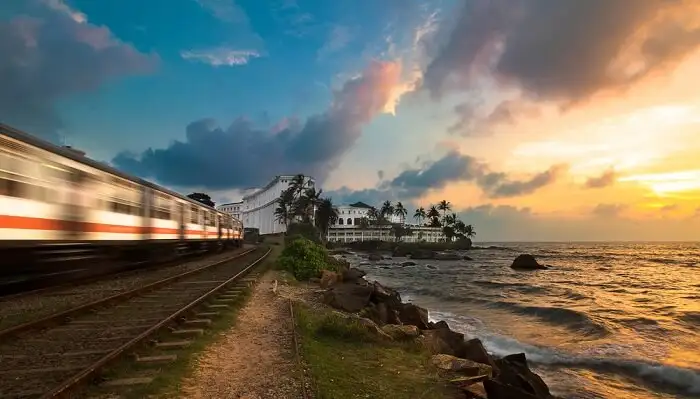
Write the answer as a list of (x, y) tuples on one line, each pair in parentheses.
[(129, 381), (205, 322), (207, 314), (156, 359), (188, 331), (173, 344), (217, 306)]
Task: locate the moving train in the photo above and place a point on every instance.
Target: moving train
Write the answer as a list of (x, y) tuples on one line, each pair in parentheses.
[(57, 206)]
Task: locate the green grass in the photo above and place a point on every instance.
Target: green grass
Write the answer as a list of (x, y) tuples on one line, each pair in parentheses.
[(346, 361), (169, 376)]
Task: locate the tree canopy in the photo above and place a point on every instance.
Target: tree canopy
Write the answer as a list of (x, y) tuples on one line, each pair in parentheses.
[(202, 197)]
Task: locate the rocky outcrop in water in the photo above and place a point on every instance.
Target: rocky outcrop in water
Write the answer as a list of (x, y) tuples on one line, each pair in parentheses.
[(527, 262), (479, 374)]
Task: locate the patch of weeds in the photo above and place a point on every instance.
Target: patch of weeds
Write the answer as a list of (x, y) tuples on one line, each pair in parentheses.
[(346, 361)]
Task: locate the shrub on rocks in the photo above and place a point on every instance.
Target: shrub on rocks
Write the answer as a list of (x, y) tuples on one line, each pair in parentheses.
[(303, 258)]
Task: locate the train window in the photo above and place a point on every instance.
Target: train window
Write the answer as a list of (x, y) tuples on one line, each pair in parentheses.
[(194, 215), (14, 188), (161, 207)]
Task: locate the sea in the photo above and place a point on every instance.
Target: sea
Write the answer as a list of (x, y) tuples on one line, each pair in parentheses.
[(606, 320)]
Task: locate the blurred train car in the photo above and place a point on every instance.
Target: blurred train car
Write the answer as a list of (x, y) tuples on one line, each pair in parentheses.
[(58, 207)]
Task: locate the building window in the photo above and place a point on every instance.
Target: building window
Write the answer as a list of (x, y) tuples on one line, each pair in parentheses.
[(340, 221), (349, 221)]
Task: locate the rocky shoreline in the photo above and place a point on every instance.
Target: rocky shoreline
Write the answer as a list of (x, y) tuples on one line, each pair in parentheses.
[(476, 372)]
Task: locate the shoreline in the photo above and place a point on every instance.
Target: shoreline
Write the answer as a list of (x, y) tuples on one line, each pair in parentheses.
[(483, 375), (527, 296)]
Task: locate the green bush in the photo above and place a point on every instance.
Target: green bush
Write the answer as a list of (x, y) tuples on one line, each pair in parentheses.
[(306, 230), (304, 259)]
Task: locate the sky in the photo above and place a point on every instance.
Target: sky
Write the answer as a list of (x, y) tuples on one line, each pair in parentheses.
[(539, 120)]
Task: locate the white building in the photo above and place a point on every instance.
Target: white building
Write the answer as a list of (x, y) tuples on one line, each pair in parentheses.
[(348, 227), (232, 208), (257, 210)]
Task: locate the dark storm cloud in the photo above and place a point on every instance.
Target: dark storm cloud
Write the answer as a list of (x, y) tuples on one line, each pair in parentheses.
[(452, 168), (561, 49), (243, 155), (53, 54), (606, 179)]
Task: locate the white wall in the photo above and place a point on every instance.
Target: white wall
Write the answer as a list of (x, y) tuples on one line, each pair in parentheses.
[(258, 210)]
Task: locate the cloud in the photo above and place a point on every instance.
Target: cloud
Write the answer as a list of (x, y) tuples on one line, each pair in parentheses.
[(221, 56), (293, 20), (243, 155), (608, 210), (454, 167), (507, 112), (224, 10), (53, 54), (338, 38), (549, 50), (498, 185), (506, 223), (669, 208), (608, 178)]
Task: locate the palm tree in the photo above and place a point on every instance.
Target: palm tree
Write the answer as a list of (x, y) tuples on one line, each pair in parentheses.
[(449, 232), (469, 231), (434, 216), (401, 212), (282, 213), (310, 200), (419, 215), (387, 209), (297, 185), (444, 206), (373, 215), (326, 216), (285, 205), (450, 220)]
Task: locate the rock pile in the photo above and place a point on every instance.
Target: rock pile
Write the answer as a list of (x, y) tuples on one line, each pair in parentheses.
[(480, 374)]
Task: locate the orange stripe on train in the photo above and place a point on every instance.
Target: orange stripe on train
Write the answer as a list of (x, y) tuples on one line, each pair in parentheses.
[(31, 223)]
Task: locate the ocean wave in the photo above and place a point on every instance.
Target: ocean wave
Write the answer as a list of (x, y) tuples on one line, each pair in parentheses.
[(571, 319), (521, 287), (686, 380), (692, 318)]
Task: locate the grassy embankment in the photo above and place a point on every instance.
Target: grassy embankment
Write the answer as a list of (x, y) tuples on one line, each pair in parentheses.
[(344, 358), (169, 377)]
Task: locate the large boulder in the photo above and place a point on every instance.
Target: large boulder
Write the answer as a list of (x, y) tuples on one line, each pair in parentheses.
[(375, 257), (474, 350), (526, 262), (400, 333), (450, 342), (353, 275), (348, 297), (414, 315), (329, 279), (515, 373), (455, 364), (384, 294)]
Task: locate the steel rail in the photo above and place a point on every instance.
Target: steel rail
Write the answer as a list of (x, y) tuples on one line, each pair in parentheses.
[(64, 389), (56, 318)]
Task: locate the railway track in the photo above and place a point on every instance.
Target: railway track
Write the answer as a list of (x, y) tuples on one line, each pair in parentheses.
[(28, 306), (53, 356)]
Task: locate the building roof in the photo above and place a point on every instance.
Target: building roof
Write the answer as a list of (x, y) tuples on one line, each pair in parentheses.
[(360, 204)]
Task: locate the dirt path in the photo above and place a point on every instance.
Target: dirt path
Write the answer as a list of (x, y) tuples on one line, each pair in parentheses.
[(253, 360)]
